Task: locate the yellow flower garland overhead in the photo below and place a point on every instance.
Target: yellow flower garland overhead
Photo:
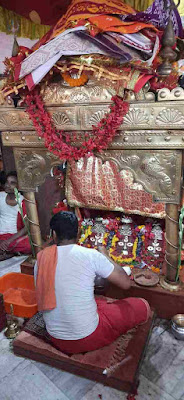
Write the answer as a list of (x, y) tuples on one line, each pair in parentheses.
[(27, 29)]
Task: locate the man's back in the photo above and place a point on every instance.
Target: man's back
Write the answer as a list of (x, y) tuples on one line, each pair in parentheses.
[(75, 315)]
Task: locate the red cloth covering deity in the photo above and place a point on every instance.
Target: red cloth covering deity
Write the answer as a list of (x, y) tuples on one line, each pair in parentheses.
[(93, 184)]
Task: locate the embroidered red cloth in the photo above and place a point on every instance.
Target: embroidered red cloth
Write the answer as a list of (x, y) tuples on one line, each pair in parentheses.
[(93, 184)]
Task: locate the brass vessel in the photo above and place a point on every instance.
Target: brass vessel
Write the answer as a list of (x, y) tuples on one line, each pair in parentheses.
[(170, 286), (12, 329), (177, 326)]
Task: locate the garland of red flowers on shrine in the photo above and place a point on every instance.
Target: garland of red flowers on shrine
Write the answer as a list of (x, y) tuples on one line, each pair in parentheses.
[(59, 142)]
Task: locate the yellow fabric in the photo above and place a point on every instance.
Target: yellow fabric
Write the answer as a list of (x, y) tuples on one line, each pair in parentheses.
[(142, 5), (139, 5), (181, 7), (27, 29)]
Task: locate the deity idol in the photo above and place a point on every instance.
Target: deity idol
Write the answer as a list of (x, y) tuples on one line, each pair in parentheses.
[(93, 232), (154, 245), (124, 242)]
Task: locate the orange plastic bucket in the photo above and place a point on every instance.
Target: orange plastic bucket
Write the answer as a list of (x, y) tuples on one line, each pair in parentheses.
[(19, 290)]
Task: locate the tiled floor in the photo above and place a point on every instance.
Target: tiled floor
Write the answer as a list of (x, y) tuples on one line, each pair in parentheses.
[(162, 373)]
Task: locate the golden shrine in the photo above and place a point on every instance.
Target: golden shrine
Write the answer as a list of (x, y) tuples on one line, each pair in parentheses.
[(150, 144)]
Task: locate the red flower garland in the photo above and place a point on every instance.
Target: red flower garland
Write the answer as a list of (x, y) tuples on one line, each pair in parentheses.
[(58, 142)]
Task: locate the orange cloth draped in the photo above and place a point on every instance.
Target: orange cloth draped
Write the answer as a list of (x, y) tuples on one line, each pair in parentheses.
[(45, 282), (84, 9), (108, 23)]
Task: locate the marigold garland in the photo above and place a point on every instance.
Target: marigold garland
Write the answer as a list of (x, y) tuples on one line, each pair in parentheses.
[(121, 259), (58, 142), (74, 82), (85, 235)]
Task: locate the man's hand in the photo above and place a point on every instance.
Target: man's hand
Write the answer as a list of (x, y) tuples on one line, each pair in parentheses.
[(4, 244), (103, 251), (118, 277)]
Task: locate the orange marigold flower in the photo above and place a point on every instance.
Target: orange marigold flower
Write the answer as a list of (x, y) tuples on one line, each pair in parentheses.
[(74, 82)]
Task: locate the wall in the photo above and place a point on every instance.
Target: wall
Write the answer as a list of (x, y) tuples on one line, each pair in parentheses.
[(6, 45)]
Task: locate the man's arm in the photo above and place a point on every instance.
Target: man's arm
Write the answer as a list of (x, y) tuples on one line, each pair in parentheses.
[(5, 243), (118, 276)]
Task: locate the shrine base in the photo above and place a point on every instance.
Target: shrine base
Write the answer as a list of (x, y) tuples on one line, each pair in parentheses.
[(166, 304), (91, 365)]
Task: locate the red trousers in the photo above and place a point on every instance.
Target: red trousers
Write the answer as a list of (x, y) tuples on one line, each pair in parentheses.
[(115, 318), (20, 245)]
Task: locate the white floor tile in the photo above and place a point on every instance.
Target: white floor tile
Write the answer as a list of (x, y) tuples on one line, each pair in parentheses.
[(149, 391), (172, 380), (8, 360), (72, 386), (161, 347), (11, 265), (28, 382), (105, 392)]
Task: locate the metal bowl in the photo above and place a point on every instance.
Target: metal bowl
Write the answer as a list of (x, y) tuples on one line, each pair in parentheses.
[(177, 326)]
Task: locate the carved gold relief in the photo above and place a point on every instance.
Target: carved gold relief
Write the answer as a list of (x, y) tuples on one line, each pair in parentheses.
[(159, 172), (8, 119), (32, 167), (58, 93), (96, 117), (78, 116), (21, 138), (136, 117), (14, 119), (124, 139), (175, 94), (60, 119), (170, 116)]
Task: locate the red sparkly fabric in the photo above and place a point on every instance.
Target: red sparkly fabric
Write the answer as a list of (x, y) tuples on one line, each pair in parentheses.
[(93, 184)]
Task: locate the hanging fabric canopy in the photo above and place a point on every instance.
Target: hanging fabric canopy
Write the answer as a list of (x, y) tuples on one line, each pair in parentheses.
[(34, 19)]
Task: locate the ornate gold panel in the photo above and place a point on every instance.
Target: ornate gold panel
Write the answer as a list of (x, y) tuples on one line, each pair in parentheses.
[(14, 119), (65, 117), (91, 115), (18, 119), (58, 93), (139, 116), (22, 138), (32, 166), (160, 115), (159, 172), (148, 139), (128, 139), (175, 94)]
